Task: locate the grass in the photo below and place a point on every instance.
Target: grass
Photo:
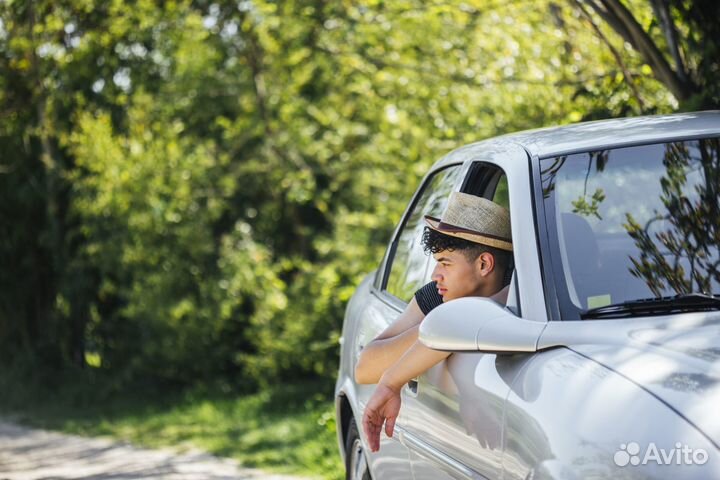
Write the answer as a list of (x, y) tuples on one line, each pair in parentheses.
[(283, 429)]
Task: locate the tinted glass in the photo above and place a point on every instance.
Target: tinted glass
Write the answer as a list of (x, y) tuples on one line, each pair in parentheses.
[(633, 223), (409, 270)]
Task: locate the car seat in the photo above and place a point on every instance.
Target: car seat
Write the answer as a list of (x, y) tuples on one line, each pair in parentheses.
[(581, 259)]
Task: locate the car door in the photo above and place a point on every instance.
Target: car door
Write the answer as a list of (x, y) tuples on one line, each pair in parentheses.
[(454, 416), (404, 270), (453, 413)]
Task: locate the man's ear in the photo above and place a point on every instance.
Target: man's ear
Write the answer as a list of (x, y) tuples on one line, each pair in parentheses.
[(485, 263)]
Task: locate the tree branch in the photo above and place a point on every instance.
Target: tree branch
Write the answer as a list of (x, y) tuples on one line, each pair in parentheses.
[(662, 10), (471, 81), (625, 24), (615, 53)]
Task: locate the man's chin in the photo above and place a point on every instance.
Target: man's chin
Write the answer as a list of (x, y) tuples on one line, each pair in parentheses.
[(446, 296)]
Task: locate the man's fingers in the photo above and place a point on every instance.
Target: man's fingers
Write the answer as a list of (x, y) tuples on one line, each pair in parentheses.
[(374, 439), (389, 426), (366, 424), (372, 430)]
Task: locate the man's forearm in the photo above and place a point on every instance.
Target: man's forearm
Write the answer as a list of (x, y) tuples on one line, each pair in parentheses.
[(379, 355), (414, 362)]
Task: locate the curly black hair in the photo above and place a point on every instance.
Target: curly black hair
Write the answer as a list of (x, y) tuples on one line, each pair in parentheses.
[(434, 242)]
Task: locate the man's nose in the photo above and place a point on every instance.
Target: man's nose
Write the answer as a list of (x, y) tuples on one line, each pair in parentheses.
[(435, 274)]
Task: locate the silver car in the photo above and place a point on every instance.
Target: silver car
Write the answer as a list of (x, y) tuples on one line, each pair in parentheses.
[(605, 362)]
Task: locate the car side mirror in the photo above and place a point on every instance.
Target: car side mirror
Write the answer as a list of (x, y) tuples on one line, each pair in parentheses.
[(472, 324)]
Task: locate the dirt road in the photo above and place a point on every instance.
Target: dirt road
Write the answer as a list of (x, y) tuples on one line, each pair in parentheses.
[(32, 454)]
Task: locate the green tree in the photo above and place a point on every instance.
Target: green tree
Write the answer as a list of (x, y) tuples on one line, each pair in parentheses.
[(678, 40), (192, 189)]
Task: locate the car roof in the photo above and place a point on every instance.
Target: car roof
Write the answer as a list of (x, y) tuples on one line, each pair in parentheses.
[(599, 135)]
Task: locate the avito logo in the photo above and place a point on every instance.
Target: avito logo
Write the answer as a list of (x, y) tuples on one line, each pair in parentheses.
[(629, 454)]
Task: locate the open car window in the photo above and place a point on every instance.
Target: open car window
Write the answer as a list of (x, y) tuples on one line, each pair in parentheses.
[(411, 268)]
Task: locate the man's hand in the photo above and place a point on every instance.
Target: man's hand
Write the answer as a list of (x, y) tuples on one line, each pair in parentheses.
[(384, 404), (383, 407)]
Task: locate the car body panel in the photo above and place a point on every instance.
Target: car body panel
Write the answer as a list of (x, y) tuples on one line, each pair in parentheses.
[(674, 357), (545, 424), (459, 418), (369, 310)]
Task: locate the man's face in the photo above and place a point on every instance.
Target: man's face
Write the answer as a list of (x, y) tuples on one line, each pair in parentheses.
[(456, 276)]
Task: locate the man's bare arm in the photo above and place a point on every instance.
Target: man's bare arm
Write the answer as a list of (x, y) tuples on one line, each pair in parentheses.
[(414, 362), (389, 346), (420, 358), (383, 406)]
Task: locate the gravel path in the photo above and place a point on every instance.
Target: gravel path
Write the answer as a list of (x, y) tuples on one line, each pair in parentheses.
[(33, 454)]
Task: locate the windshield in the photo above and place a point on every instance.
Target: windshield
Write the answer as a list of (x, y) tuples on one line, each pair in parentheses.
[(633, 223)]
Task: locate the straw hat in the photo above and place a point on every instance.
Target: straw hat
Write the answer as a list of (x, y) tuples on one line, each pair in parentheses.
[(475, 219)]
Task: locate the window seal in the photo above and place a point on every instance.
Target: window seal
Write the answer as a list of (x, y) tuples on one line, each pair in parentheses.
[(552, 304)]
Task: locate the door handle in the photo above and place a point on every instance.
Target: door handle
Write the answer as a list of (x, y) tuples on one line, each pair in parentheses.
[(412, 387)]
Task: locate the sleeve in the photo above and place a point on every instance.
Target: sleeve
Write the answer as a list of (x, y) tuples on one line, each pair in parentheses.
[(427, 298)]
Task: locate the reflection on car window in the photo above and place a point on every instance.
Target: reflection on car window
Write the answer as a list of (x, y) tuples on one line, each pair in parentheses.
[(409, 268), (501, 193), (634, 223)]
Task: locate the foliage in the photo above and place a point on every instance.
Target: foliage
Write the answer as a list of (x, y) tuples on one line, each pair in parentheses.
[(190, 190), (679, 41)]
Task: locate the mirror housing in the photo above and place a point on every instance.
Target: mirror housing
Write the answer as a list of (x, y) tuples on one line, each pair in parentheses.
[(473, 324)]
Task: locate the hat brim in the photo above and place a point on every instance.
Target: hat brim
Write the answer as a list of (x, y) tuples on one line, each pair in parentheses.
[(469, 235)]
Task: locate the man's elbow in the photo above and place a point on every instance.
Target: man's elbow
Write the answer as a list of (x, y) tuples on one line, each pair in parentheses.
[(364, 374)]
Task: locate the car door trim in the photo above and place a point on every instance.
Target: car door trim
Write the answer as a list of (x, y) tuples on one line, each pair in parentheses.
[(441, 460), (388, 299)]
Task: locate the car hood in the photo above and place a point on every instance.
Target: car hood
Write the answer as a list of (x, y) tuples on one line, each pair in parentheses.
[(676, 358)]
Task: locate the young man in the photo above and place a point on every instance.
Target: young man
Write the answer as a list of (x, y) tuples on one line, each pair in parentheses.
[(472, 246)]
